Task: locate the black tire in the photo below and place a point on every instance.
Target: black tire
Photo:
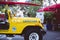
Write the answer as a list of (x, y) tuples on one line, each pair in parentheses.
[(32, 30)]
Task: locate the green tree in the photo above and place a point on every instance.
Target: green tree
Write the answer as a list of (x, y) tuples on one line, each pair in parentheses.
[(48, 16), (0, 8), (40, 2), (32, 9)]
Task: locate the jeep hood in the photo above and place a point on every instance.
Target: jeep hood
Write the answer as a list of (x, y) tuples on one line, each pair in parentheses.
[(25, 19)]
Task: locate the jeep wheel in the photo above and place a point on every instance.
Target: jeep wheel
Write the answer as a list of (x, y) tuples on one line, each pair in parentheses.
[(33, 34)]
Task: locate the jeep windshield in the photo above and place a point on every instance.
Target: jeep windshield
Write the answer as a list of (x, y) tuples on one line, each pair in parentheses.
[(17, 9)]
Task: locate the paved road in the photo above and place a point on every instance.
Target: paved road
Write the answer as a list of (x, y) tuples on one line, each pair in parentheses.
[(50, 35), (16, 37)]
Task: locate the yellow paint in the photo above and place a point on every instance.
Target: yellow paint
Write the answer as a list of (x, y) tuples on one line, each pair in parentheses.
[(19, 24)]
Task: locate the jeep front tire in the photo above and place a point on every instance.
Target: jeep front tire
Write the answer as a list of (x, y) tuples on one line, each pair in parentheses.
[(33, 34)]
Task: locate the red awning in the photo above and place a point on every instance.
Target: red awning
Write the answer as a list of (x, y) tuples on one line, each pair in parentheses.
[(40, 10), (44, 9), (50, 8), (25, 3), (55, 6)]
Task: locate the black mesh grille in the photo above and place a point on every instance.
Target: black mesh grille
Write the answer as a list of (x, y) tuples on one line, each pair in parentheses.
[(4, 26)]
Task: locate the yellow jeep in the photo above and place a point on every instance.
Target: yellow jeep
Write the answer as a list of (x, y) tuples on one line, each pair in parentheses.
[(29, 27)]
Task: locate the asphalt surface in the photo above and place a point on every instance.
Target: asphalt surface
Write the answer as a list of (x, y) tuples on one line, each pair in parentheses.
[(50, 35), (16, 37)]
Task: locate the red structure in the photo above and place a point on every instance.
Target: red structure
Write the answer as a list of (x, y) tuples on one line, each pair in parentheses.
[(5, 0), (56, 10), (25, 3), (40, 10), (48, 8)]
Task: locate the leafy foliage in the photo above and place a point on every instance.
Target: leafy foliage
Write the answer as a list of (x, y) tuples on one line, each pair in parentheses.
[(48, 15), (33, 9)]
